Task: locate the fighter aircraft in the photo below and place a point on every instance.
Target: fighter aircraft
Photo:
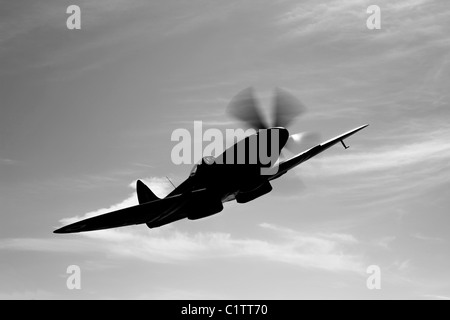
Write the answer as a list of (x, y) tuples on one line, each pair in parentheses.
[(214, 180)]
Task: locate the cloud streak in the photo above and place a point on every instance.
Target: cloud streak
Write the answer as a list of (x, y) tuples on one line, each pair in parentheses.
[(330, 252), (28, 295), (404, 168), (7, 161), (388, 158), (160, 186), (325, 251)]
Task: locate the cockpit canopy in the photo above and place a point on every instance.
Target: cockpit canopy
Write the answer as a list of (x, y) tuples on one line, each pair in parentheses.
[(208, 160), (194, 170)]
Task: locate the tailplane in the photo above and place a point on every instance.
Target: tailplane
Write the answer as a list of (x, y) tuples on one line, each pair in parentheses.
[(144, 193)]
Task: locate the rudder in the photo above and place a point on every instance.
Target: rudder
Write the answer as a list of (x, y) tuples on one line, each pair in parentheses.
[(144, 193)]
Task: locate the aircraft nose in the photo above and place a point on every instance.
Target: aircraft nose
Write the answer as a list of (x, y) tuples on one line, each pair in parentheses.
[(283, 135)]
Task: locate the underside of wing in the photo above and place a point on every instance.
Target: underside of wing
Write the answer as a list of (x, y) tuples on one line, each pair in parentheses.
[(142, 213), (198, 203), (166, 220), (308, 154)]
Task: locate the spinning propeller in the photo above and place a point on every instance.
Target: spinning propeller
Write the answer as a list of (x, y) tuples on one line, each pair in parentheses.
[(285, 109)]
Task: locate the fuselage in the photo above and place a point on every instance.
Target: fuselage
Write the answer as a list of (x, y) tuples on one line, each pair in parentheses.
[(240, 168)]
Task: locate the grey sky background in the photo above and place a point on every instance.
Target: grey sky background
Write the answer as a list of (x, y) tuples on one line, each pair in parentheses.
[(84, 113)]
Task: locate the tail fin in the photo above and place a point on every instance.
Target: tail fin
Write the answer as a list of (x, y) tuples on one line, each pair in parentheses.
[(144, 193)]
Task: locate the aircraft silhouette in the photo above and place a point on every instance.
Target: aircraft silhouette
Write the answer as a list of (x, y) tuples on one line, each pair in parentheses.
[(214, 181)]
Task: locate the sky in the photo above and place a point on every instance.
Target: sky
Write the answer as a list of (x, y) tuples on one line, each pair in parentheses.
[(85, 113)]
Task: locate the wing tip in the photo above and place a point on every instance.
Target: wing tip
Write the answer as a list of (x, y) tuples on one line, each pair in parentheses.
[(72, 228), (362, 127), (61, 230)]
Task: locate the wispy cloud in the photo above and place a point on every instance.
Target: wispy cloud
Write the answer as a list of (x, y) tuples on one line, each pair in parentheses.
[(28, 295), (436, 297), (46, 245), (7, 161), (303, 19), (195, 16), (399, 170), (388, 158), (326, 251), (422, 237), (335, 17), (160, 186), (165, 293), (308, 250), (330, 252), (412, 44), (384, 242), (110, 24), (402, 266)]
